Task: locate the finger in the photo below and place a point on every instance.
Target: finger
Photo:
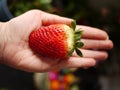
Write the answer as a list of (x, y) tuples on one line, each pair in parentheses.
[(75, 62), (97, 44), (48, 19), (97, 55), (93, 33)]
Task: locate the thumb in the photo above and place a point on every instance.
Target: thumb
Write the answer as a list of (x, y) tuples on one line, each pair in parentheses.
[(48, 19)]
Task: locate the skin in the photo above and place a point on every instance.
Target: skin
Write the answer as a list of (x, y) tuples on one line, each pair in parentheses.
[(15, 51)]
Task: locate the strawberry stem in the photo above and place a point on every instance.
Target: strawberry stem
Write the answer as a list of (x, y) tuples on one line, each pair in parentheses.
[(73, 25), (78, 43)]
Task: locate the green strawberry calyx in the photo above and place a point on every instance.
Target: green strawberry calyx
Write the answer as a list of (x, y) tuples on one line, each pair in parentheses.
[(77, 43)]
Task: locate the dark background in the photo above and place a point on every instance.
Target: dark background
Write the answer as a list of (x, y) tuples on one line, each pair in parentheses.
[(103, 14)]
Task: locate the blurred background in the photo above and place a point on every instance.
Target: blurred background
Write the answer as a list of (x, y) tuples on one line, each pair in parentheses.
[(103, 14)]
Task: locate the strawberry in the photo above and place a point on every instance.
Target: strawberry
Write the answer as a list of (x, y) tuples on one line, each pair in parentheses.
[(56, 41)]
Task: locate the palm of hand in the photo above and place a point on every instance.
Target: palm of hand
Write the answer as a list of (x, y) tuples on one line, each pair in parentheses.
[(17, 49)]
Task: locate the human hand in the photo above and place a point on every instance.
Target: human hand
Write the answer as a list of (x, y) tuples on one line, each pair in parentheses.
[(17, 53), (96, 42)]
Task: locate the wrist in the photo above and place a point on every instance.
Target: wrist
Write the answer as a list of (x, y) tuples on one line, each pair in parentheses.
[(2, 27)]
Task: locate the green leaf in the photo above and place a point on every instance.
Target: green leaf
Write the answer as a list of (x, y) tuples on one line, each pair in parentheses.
[(78, 32), (79, 53), (73, 25), (78, 35), (79, 44), (70, 52)]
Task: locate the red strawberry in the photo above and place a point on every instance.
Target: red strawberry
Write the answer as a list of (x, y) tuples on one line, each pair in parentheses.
[(56, 41)]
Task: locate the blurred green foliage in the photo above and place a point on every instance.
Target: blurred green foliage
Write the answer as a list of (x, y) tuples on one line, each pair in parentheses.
[(69, 8), (18, 7), (4, 89)]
